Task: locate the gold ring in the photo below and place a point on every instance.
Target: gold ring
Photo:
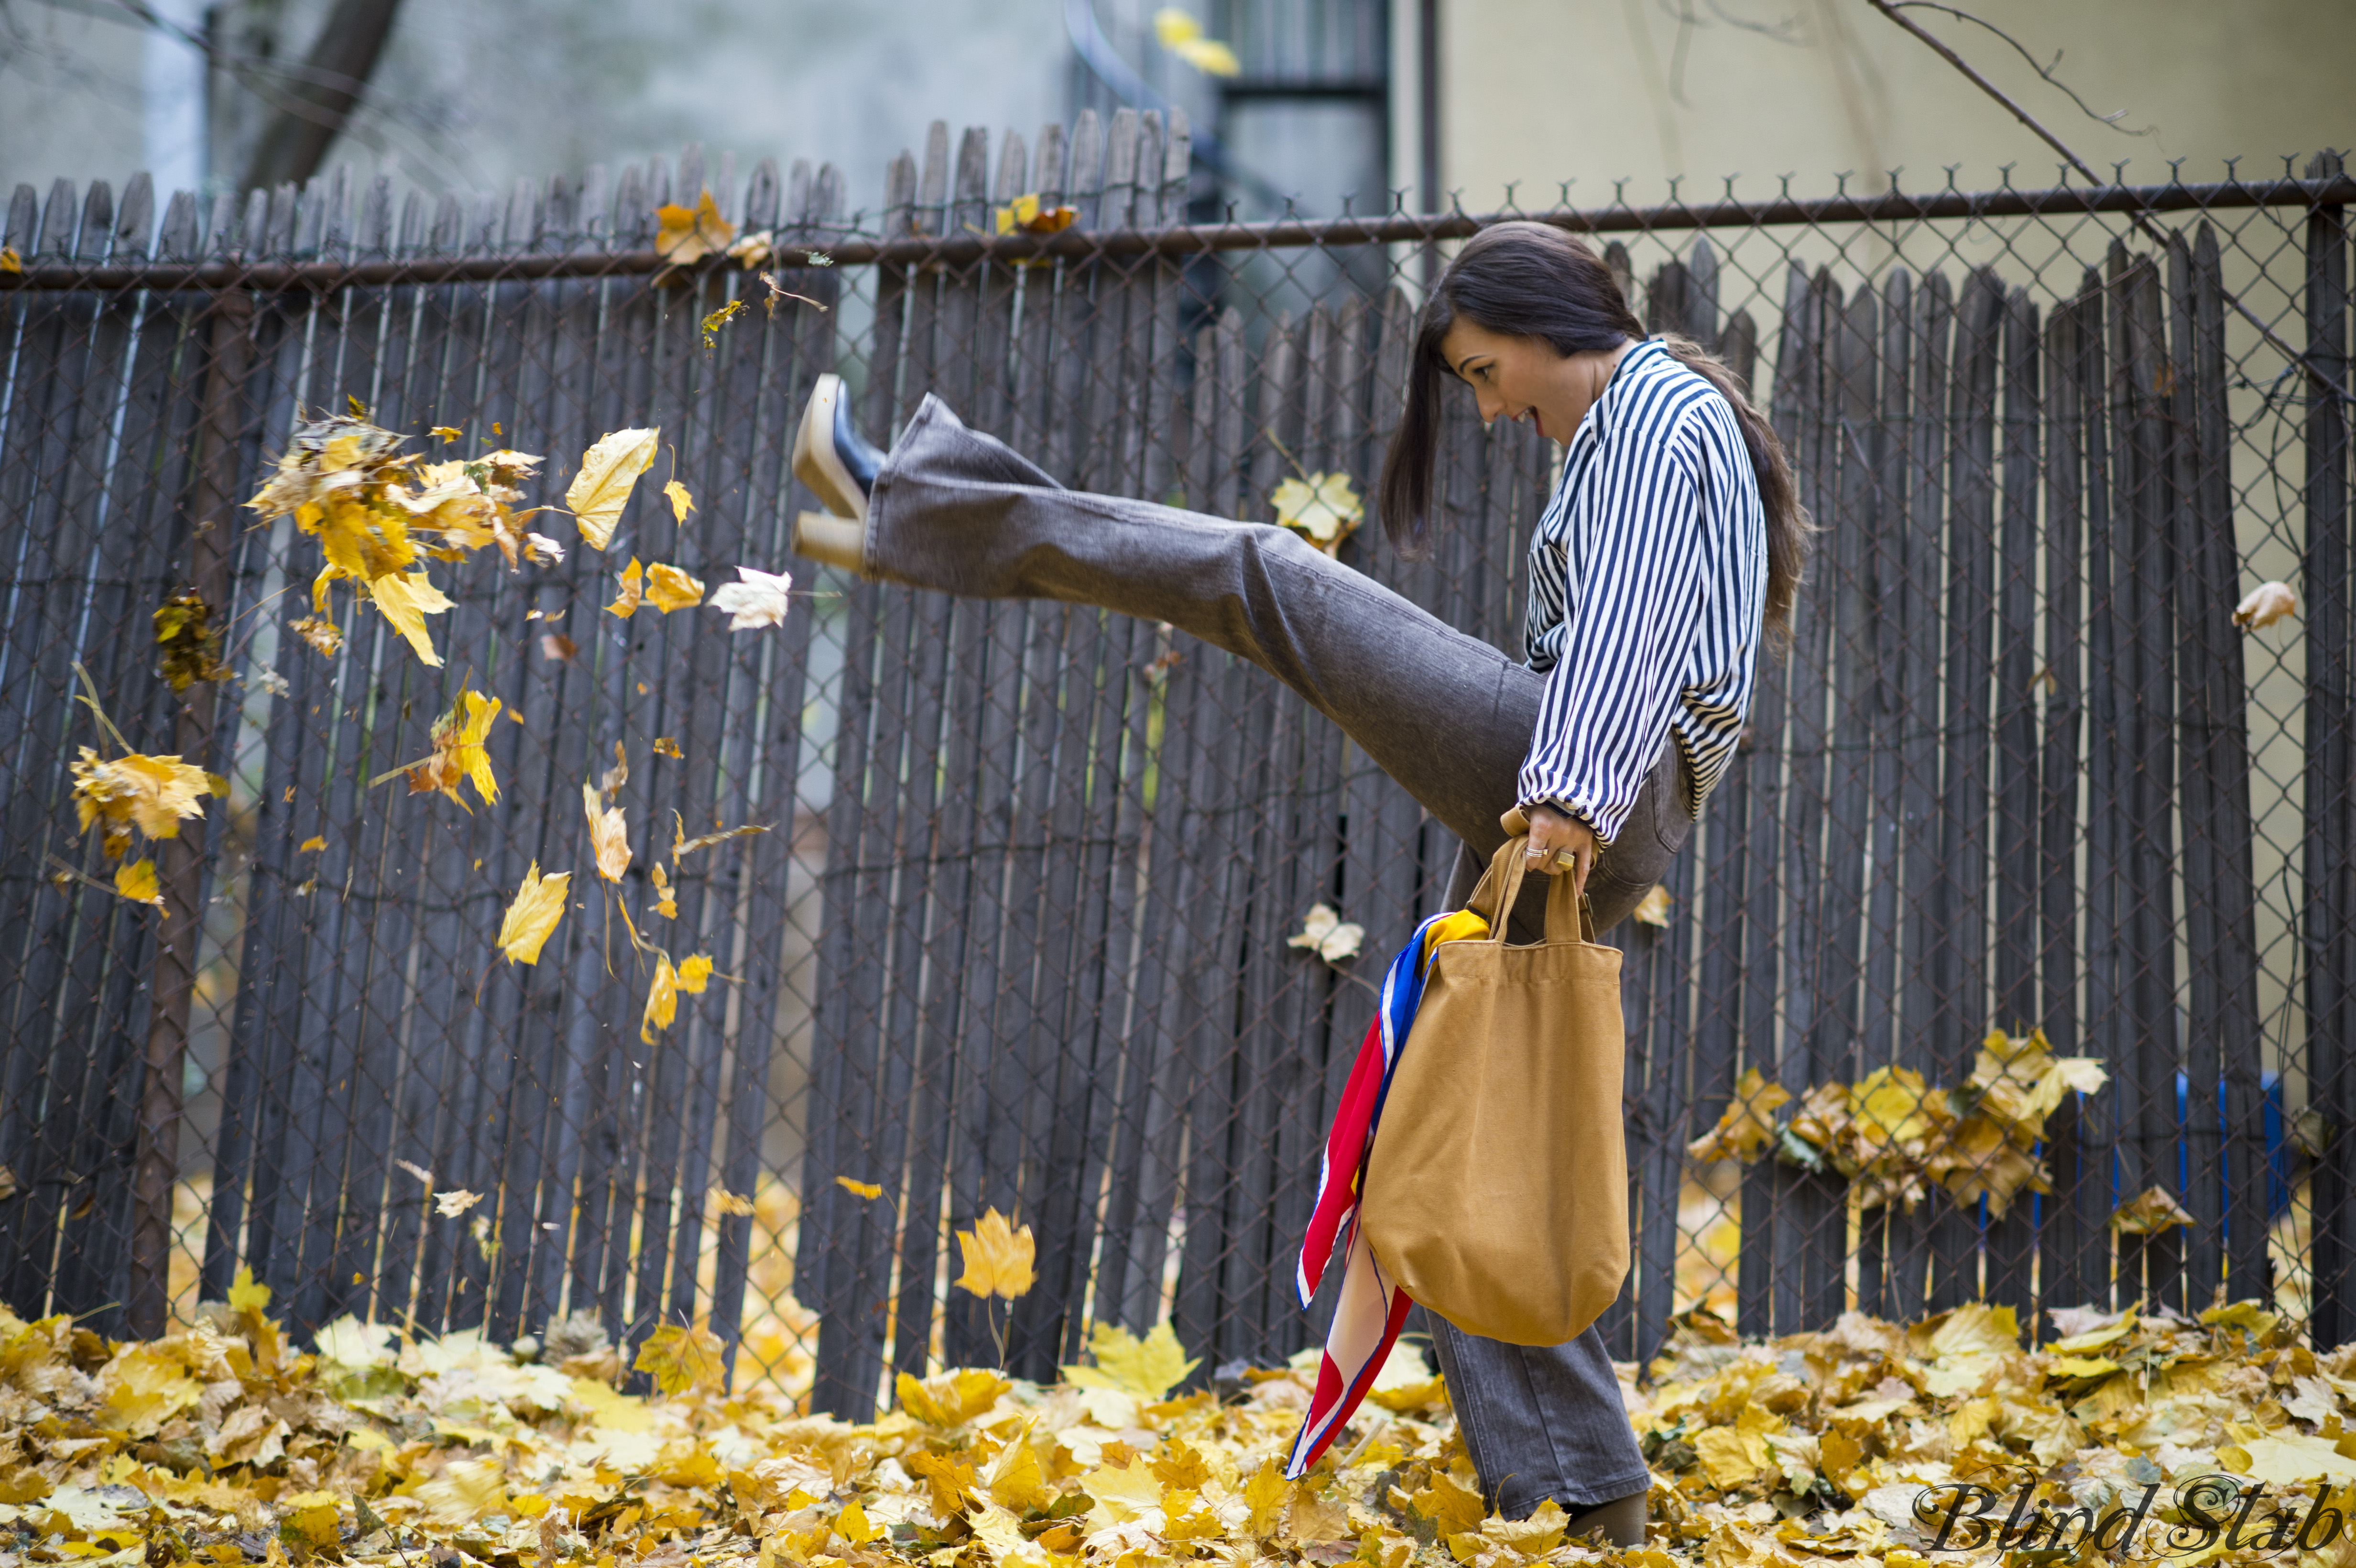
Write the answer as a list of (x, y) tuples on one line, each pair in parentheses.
[(1566, 857)]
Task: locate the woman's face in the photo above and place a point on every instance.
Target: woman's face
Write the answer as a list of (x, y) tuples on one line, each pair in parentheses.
[(1523, 378)]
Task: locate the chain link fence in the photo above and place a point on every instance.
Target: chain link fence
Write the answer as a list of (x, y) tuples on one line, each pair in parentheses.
[(1017, 934)]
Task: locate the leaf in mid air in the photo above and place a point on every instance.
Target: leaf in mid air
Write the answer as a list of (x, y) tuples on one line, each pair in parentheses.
[(539, 905), (602, 488)]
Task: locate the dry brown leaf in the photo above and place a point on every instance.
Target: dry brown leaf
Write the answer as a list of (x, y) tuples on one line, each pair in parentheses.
[(681, 844), (558, 647), (758, 599)]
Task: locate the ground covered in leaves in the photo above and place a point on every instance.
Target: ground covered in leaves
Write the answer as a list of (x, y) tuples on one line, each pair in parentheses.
[(226, 1443)]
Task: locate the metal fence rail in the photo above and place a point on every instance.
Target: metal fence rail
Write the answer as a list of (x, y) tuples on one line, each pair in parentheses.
[(1018, 935)]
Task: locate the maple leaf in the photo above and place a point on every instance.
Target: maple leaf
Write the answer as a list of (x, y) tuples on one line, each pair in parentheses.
[(1324, 933), (712, 326), (998, 1258), (664, 746), (602, 488), (666, 904), (1026, 214), (681, 503), (685, 234), (669, 589), (135, 880), (1148, 1368), (459, 753), (1653, 908), (860, 1188), (609, 835), (1323, 508), (633, 592), (728, 1202), (538, 905), (694, 972), (151, 795), (10, 261), (680, 1359), (405, 599), (244, 1294), (760, 599), (144, 1386), (187, 647), (2266, 603), (454, 1202)]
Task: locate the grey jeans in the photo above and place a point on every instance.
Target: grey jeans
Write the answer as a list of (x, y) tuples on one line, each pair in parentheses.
[(1445, 715)]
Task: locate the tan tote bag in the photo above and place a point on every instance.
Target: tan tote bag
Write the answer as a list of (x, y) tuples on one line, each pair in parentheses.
[(1497, 1185)]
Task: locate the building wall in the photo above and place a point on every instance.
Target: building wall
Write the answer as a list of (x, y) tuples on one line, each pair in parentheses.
[(1594, 90)]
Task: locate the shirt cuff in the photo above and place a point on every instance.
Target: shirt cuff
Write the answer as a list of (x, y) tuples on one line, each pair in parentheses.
[(1586, 816)]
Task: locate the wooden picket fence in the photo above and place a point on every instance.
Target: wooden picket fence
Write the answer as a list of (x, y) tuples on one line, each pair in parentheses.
[(1019, 938)]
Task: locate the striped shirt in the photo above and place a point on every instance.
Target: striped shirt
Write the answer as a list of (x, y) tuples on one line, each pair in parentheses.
[(1648, 580)]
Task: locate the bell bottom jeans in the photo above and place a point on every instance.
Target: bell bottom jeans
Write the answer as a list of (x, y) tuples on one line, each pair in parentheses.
[(1447, 716)]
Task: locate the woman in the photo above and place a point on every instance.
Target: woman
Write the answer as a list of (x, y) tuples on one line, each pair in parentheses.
[(1671, 547)]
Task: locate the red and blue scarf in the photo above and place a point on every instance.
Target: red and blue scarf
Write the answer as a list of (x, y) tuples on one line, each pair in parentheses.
[(1372, 1307)]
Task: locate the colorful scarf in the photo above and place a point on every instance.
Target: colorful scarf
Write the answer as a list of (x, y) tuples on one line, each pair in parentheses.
[(1368, 1317)]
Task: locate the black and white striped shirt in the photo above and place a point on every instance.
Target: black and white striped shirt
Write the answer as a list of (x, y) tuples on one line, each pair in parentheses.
[(1648, 579)]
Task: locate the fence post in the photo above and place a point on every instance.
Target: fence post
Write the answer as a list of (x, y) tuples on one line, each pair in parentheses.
[(2329, 917), (182, 868)]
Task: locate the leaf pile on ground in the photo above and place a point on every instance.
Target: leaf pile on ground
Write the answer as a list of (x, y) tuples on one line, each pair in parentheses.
[(223, 1442)]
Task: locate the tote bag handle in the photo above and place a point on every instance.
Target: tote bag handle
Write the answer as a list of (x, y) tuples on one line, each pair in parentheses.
[(1502, 884)]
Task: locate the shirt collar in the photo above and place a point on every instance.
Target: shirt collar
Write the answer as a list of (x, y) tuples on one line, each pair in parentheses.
[(1594, 420)]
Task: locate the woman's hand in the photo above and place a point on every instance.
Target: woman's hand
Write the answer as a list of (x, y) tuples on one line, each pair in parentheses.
[(1554, 832)]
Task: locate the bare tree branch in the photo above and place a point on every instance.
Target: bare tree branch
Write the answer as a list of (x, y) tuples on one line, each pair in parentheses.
[(2144, 226), (2045, 72)]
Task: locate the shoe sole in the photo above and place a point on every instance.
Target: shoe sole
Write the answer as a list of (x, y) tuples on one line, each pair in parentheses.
[(816, 461), (831, 541)]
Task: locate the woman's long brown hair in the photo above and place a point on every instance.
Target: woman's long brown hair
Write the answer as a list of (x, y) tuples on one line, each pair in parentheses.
[(1532, 279)]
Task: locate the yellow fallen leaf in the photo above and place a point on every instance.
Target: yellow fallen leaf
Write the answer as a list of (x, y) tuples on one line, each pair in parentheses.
[(681, 503), (665, 746), (538, 905), (153, 794), (758, 599), (447, 432), (729, 1202), (459, 751), (633, 590), (663, 1001), (136, 882), (310, 844), (681, 845), (1747, 1124), (454, 1202), (1653, 908), (680, 1359), (244, 1294), (669, 589), (1452, 1506), (998, 1258), (609, 835), (693, 972), (1182, 33), (1027, 215), (666, 904), (1148, 1368), (2150, 1211), (405, 599), (863, 1189), (608, 470), (144, 1386), (685, 234), (9, 261), (315, 1516)]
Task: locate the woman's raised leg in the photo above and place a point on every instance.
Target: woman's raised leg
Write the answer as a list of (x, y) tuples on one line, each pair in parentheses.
[(1445, 715)]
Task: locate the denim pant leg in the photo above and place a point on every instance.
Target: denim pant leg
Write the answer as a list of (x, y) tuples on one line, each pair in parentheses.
[(1540, 1420)]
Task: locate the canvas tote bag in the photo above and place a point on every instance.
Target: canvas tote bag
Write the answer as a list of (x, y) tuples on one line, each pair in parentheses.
[(1497, 1185)]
